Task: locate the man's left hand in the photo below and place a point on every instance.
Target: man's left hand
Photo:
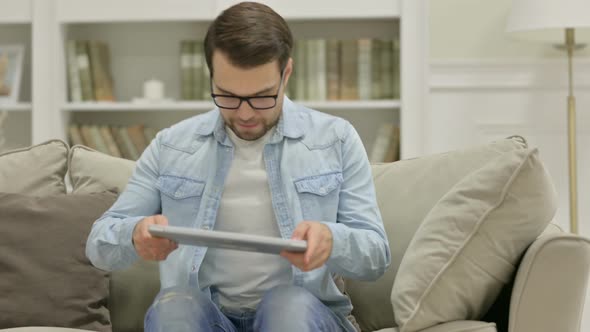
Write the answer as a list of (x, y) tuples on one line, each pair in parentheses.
[(319, 245)]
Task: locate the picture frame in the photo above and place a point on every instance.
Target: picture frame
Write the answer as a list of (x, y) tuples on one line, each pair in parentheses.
[(11, 68)]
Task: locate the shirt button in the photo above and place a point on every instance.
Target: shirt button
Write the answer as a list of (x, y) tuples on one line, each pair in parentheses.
[(194, 268)]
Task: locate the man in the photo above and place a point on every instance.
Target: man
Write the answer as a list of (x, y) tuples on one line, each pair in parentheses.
[(257, 164)]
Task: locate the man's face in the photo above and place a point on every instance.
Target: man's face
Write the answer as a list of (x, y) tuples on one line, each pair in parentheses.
[(228, 79)]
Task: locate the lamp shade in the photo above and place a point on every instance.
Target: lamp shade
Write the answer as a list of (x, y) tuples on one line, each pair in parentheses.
[(545, 20)]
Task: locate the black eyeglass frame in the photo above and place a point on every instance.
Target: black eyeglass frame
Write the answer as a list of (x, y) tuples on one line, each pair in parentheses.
[(246, 99)]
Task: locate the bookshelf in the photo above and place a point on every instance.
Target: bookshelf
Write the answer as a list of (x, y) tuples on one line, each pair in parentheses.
[(17, 107), (16, 29), (144, 40)]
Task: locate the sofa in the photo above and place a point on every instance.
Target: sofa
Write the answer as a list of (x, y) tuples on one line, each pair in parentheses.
[(473, 247)]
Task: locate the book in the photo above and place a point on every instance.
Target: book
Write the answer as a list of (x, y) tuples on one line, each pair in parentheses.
[(300, 68), (137, 137), (376, 72), (392, 153), (102, 80), (75, 135), (365, 82), (382, 148), (321, 79), (150, 134), (74, 88), (386, 67), (186, 73), (131, 150), (87, 137), (196, 68), (97, 139), (333, 69), (109, 140), (349, 70), (84, 70), (116, 133), (396, 85), (206, 82), (312, 67)]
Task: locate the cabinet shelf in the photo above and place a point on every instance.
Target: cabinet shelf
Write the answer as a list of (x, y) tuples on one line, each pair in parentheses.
[(90, 11), (137, 107), (16, 107), (206, 105)]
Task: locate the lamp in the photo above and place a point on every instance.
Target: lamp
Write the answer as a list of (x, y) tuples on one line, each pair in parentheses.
[(556, 21)]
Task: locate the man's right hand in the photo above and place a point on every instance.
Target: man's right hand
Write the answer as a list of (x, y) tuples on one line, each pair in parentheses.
[(148, 247)]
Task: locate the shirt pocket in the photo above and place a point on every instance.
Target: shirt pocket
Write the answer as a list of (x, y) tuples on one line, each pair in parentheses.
[(181, 198), (319, 195)]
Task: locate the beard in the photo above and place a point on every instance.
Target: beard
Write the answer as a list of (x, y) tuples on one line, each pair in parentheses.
[(254, 133)]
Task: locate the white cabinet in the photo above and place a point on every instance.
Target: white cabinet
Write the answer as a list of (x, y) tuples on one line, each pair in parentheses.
[(144, 39), (15, 30)]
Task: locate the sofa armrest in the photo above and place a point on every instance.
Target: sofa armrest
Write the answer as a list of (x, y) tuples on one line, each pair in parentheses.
[(550, 285), (462, 326)]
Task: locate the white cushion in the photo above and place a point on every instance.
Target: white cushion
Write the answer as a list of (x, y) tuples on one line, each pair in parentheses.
[(91, 171), (37, 170), (406, 191), (467, 247)]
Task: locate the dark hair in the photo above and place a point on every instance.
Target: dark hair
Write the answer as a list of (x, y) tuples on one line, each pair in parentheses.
[(250, 34)]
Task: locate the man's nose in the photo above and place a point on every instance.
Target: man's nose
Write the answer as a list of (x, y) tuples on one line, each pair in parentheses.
[(245, 112)]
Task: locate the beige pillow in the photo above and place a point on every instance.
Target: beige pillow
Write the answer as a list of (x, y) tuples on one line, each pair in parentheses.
[(38, 170), (92, 171), (406, 191), (467, 247), (132, 290)]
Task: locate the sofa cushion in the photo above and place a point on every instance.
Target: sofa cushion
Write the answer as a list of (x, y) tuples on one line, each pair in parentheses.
[(46, 278), (132, 290), (37, 170), (467, 247), (406, 191), (93, 171)]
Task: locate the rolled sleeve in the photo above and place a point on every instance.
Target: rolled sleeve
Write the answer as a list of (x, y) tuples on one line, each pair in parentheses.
[(360, 249), (109, 245)]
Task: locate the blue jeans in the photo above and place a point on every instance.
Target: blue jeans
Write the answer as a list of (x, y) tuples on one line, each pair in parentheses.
[(283, 308)]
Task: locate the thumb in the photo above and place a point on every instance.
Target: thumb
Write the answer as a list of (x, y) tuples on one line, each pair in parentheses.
[(300, 231), (160, 220)]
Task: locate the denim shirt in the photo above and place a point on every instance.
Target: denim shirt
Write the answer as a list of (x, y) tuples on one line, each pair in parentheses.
[(317, 171)]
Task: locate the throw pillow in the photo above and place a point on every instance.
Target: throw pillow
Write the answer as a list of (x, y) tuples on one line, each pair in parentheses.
[(46, 279), (93, 171), (467, 247), (406, 191), (132, 290), (36, 170)]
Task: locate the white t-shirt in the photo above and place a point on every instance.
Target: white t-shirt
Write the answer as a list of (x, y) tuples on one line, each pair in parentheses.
[(241, 278)]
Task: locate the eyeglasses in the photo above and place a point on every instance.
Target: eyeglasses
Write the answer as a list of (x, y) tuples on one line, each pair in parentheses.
[(232, 102)]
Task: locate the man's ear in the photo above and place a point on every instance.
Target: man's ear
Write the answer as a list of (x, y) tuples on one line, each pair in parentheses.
[(288, 72)]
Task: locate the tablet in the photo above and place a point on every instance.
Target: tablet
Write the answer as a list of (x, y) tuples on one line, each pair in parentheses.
[(227, 240)]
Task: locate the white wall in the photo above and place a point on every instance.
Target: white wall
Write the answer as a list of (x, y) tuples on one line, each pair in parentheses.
[(468, 29), (484, 85)]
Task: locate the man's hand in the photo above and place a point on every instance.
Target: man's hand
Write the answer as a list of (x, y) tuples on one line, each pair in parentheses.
[(149, 247), (319, 246)]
